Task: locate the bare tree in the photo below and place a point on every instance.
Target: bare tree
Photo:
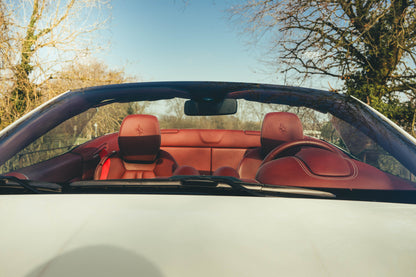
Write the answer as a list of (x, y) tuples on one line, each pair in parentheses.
[(3, 34), (43, 35), (369, 45), (87, 72), (93, 73), (176, 108), (4, 41)]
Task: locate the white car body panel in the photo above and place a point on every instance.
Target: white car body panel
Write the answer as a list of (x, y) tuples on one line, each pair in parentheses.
[(179, 235)]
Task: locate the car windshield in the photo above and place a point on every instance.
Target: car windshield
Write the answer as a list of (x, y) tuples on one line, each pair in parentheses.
[(100, 121), (263, 142)]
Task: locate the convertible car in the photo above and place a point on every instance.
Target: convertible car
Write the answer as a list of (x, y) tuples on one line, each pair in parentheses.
[(170, 178)]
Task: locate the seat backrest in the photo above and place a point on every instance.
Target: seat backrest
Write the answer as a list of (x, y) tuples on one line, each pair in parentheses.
[(277, 128), (207, 150), (139, 155)]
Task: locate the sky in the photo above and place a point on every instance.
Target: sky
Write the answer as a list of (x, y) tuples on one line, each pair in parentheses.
[(171, 40)]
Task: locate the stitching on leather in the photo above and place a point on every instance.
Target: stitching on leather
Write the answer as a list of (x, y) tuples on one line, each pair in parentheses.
[(307, 171)]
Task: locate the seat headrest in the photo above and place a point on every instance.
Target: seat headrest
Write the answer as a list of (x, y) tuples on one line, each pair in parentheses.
[(278, 128), (139, 138)]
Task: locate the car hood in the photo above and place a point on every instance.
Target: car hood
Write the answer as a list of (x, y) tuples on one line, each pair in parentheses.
[(177, 235)]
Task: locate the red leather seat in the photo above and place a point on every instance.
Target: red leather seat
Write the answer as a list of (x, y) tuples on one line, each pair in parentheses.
[(139, 155), (226, 171), (277, 128), (186, 170)]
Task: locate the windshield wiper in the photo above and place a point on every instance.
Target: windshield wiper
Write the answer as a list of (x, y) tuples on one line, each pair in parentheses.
[(256, 189), (218, 182), (191, 184), (210, 183), (32, 186)]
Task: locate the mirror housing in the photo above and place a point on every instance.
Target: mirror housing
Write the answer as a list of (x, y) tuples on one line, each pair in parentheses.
[(208, 106)]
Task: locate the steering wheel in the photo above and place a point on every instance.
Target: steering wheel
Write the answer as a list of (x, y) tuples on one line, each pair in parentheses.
[(281, 148)]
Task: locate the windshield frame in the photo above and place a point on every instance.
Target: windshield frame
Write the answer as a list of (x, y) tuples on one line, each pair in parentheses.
[(36, 123)]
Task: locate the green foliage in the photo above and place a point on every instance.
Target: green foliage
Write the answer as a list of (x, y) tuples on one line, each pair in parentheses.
[(392, 104), (329, 134)]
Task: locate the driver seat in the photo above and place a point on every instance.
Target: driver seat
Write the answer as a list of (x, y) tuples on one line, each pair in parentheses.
[(277, 128), (139, 156)]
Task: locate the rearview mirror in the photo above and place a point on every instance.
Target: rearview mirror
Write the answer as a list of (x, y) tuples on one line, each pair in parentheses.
[(210, 107)]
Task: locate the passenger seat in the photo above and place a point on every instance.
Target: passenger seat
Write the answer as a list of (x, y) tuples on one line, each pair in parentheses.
[(139, 155)]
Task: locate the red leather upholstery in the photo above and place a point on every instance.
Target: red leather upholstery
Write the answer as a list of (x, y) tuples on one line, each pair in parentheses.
[(210, 138), (139, 155), (198, 157), (277, 128), (18, 175), (313, 167), (194, 147), (139, 138), (250, 163), (226, 171), (207, 150), (186, 170), (229, 157)]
